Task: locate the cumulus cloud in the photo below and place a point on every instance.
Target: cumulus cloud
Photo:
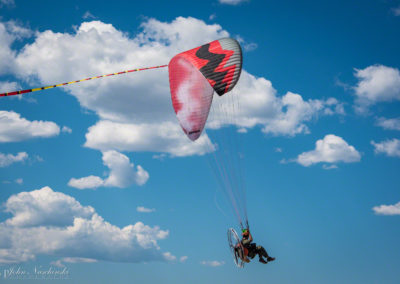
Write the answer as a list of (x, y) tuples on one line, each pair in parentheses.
[(183, 258), (44, 207), (164, 137), (212, 263), (260, 105), (66, 129), (7, 86), (60, 262), (6, 53), (376, 83), (8, 159), (13, 127), (292, 121), (387, 209), (135, 110), (10, 32), (45, 222), (390, 147), (330, 149), (18, 30), (389, 123), (168, 256), (122, 173), (86, 182), (142, 209), (333, 106)]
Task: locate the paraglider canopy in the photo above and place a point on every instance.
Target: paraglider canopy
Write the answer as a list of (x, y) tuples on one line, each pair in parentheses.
[(195, 74)]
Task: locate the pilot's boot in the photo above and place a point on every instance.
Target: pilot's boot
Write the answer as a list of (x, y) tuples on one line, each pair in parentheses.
[(262, 260)]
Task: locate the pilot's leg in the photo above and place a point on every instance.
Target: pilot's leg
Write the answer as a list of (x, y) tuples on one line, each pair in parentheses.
[(263, 253)]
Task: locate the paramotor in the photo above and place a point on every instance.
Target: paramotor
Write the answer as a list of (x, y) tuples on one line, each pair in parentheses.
[(236, 248)]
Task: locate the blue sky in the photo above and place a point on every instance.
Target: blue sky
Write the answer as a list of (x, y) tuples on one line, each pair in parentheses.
[(99, 178)]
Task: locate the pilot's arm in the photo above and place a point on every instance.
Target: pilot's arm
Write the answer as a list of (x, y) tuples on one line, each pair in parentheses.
[(250, 237)]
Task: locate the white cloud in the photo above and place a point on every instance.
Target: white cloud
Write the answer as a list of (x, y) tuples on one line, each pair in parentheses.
[(168, 256), (165, 137), (7, 86), (88, 15), (86, 182), (329, 167), (17, 30), (212, 263), (38, 158), (297, 112), (333, 106), (10, 32), (247, 46), (135, 110), (13, 127), (122, 173), (160, 156), (376, 83), (232, 2), (389, 123), (142, 209), (183, 258), (45, 222), (389, 147), (66, 129), (60, 262), (387, 209), (17, 181), (259, 105), (250, 46), (6, 53), (330, 149), (44, 207), (8, 159)]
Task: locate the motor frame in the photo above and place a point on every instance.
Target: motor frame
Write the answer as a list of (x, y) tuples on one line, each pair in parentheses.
[(236, 248)]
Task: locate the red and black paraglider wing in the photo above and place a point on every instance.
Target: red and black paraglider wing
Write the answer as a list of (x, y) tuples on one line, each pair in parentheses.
[(195, 74)]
